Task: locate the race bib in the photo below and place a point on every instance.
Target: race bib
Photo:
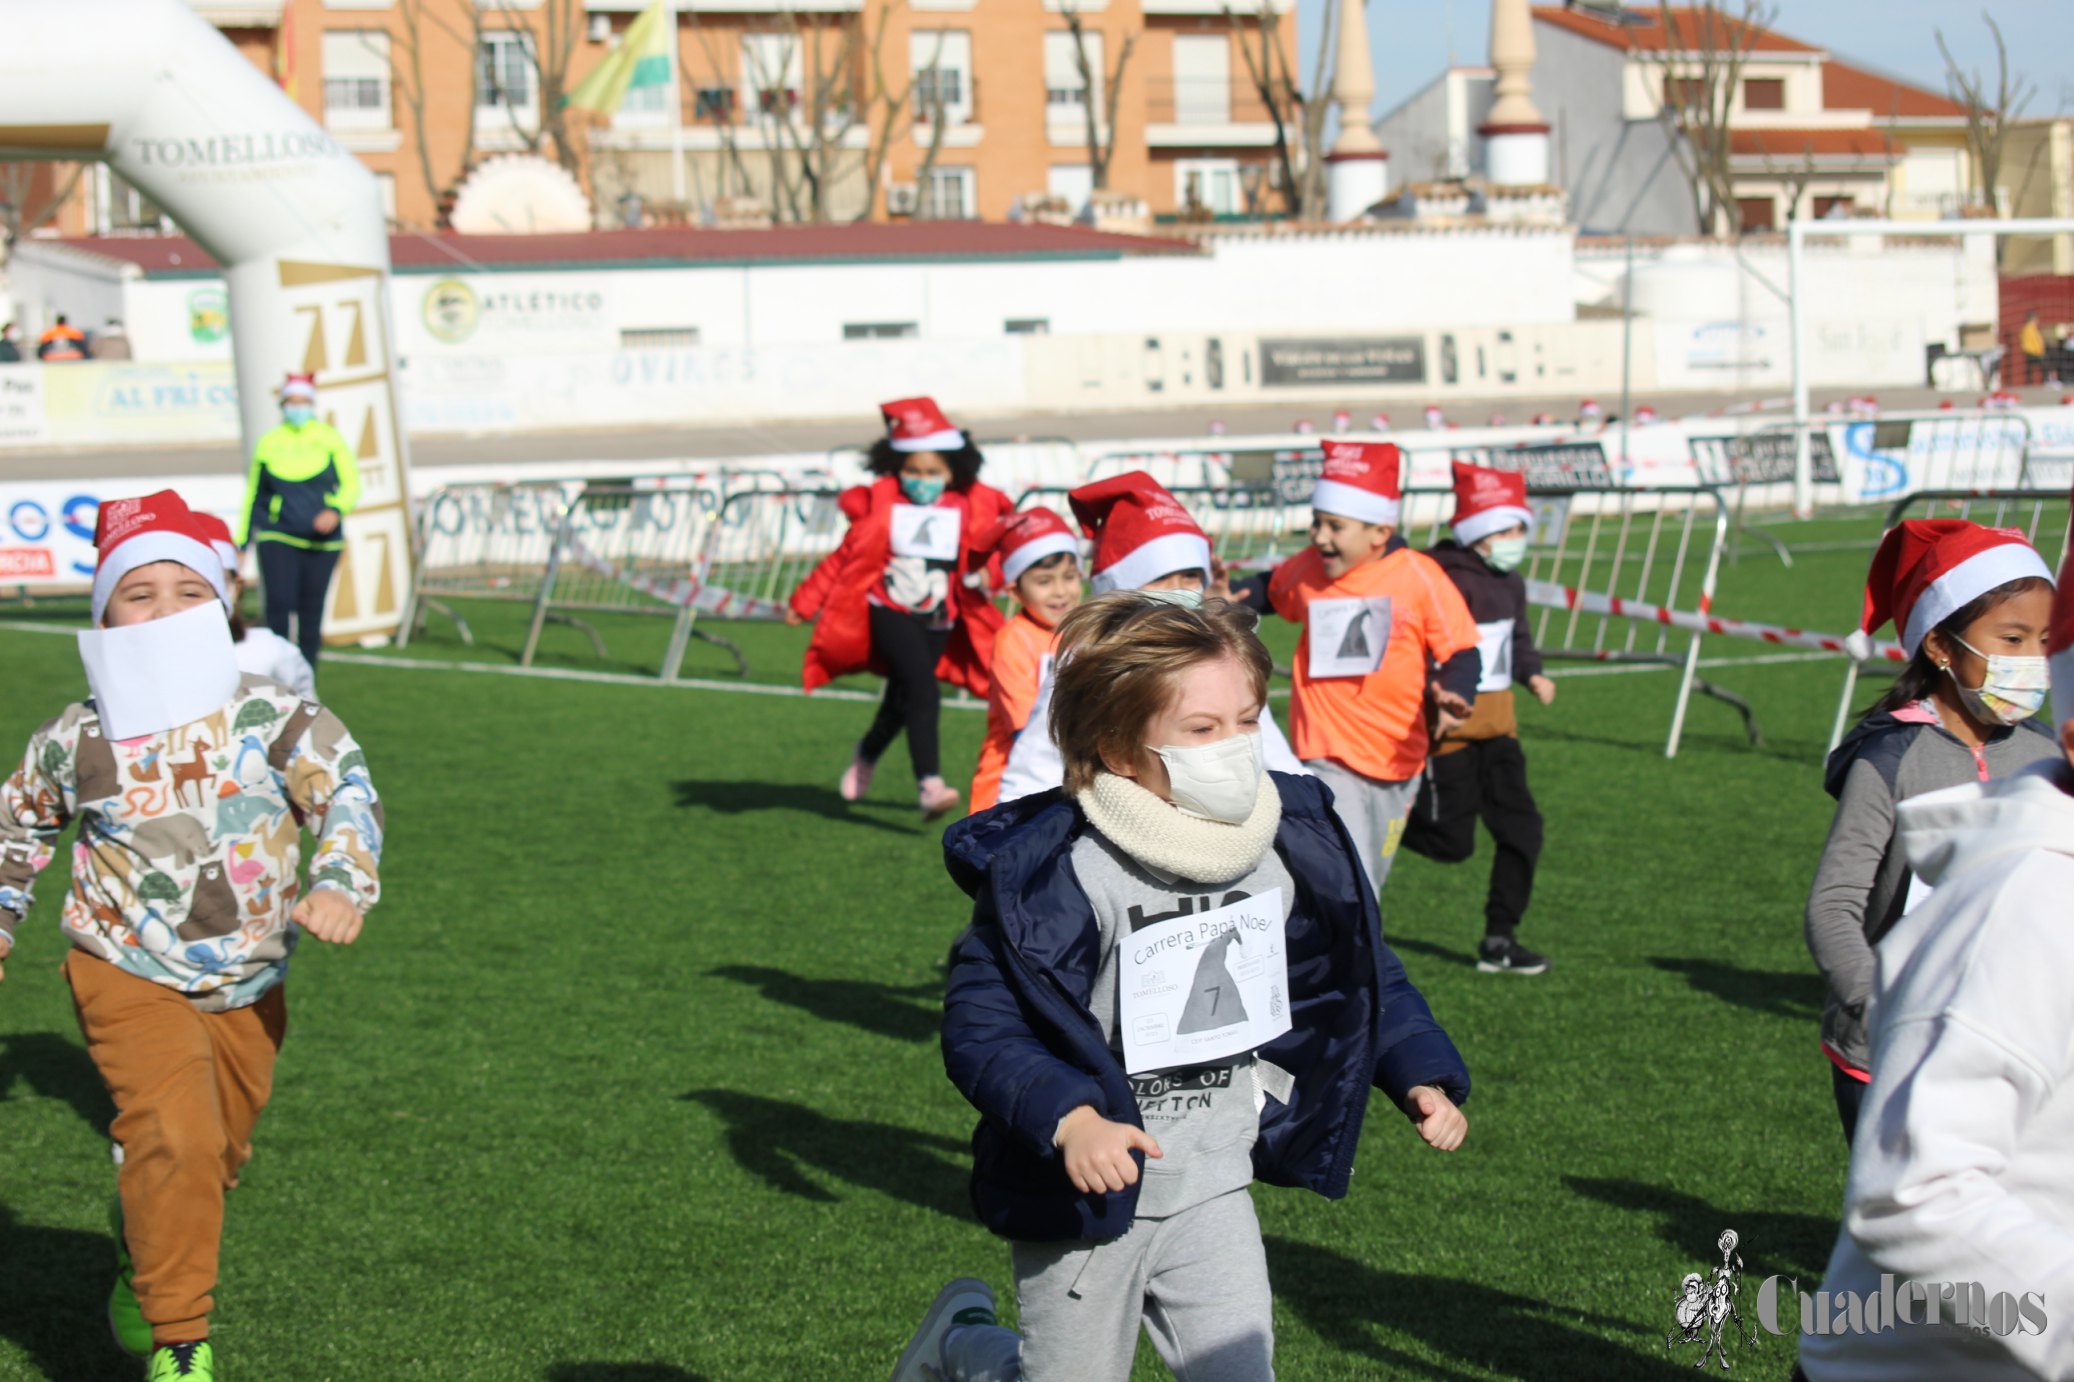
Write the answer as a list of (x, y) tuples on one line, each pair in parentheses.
[(1348, 636), (1203, 988), (1494, 644), (930, 533)]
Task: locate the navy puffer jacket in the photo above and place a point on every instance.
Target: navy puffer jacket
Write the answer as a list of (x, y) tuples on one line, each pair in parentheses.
[(1021, 1044)]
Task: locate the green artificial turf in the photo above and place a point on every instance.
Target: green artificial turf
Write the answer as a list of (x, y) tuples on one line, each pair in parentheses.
[(634, 1073)]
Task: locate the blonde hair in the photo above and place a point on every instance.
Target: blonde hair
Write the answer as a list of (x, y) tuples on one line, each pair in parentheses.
[(1120, 660)]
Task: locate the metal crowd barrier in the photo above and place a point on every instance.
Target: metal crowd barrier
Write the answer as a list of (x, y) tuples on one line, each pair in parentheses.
[(486, 541), (629, 549), (763, 543)]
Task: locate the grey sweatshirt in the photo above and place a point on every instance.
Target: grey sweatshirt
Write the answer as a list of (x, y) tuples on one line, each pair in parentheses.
[(1205, 1118), (1861, 886)]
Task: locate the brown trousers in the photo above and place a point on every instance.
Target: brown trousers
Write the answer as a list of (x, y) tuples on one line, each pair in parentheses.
[(188, 1088)]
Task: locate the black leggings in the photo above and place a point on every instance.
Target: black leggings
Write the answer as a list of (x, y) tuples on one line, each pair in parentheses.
[(296, 580), (910, 649), (1485, 779)]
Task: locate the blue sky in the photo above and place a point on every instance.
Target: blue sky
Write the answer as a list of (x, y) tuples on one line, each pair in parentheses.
[(1411, 39)]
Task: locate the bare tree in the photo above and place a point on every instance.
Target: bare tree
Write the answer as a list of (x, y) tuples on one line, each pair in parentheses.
[(1988, 115), (1794, 177), (1099, 92), (550, 46), (1274, 82), (1699, 87), (407, 67)]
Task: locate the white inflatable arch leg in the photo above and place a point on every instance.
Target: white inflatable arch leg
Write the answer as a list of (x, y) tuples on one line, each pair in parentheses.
[(153, 90)]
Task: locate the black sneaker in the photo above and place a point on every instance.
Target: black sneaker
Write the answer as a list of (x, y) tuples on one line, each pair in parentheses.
[(1504, 955)]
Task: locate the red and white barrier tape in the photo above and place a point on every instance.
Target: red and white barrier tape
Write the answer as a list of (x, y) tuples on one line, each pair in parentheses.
[(1555, 596), (682, 590)]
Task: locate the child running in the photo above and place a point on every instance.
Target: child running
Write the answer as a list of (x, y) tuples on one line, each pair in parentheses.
[(894, 598), (1959, 1207), (1040, 560), (1174, 958), (1478, 771), (1144, 540), (191, 783), (260, 651), (1971, 605), (1376, 618)]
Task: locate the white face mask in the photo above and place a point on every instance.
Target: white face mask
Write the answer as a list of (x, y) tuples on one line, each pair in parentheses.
[(1185, 596), (1506, 552), (1220, 781), (2012, 690)]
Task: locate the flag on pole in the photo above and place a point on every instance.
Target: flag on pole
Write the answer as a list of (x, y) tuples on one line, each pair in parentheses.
[(642, 59), (284, 53)]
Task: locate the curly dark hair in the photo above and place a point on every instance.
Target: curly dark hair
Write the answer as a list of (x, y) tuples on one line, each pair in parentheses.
[(1920, 676), (965, 462)]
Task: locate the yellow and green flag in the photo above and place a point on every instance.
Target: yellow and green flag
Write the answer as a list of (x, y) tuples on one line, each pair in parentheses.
[(641, 60)]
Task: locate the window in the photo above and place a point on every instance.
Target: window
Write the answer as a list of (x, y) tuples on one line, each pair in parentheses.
[(946, 195), (120, 206), (1208, 185), (772, 73), (504, 73), (657, 337), (1755, 213), (880, 331), (356, 80), (1685, 92), (1027, 326), (1063, 85), (942, 65), (385, 188), (1202, 80), (1764, 93), (715, 104), (1835, 206), (1073, 182)]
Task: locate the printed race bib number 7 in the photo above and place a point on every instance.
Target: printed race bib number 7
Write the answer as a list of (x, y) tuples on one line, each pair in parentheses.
[(930, 533), (1494, 644), (1203, 988), (1348, 636)]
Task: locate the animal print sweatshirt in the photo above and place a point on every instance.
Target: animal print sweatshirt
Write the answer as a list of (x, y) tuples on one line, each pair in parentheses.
[(189, 854)]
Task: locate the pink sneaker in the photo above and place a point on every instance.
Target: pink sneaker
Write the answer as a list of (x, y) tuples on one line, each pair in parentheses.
[(937, 798), (856, 779)]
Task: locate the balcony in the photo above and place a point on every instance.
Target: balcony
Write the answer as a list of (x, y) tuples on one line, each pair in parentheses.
[(1195, 113), (251, 14)]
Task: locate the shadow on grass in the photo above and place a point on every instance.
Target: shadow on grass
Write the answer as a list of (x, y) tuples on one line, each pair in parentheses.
[(1773, 1242), (1781, 993), (886, 1010), (621, 1372), (53, 1300), (779, 1142), (1410, 945), (1354, 1308), (740, 798), (55, 1068)]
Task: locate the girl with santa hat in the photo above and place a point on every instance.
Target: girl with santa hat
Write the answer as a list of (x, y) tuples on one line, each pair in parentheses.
[(1972, 605), (902, 596), (1040, 561)]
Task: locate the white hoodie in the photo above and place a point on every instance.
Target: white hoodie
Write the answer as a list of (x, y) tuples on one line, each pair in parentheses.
[(1963, 1168)]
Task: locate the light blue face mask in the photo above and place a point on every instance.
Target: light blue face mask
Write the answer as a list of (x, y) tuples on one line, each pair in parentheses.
[(1507, 552), (298, 414), (921, 491)]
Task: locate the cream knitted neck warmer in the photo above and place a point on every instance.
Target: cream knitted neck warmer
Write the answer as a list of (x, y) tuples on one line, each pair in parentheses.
[(1168, 840)]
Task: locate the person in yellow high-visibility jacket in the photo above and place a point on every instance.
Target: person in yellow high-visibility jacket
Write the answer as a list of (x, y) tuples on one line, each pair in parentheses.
[(303, 482)]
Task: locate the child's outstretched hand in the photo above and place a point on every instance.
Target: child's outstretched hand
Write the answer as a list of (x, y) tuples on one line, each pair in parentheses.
[(1098, 1152), (1436, 1118), (326, 914), (5, 946), (1543, 689), (793, 618), (1449, 711)]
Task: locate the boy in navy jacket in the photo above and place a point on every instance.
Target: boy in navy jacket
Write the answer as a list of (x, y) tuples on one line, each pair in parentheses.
[(1174, 983)]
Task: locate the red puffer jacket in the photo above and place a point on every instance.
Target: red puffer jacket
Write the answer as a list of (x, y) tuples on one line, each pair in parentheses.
[(837, 589)]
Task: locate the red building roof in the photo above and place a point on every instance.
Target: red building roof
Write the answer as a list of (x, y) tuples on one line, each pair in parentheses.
[(1845, 87), (1790, 146), (177, 256), (1687, 31)]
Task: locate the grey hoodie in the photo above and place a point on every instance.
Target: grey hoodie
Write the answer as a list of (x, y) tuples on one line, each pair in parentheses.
[(1963, 1167)]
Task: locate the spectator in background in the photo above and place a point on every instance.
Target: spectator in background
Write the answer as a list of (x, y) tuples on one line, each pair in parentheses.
[(303, 481), (111, 342), (61, 344), (2030, 343), (10, 345)]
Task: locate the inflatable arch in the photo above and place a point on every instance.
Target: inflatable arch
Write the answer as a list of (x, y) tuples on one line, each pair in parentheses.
[(153, 90)]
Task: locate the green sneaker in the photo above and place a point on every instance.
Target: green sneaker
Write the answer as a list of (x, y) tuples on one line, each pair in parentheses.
[(197, 1361), (125, 1317)]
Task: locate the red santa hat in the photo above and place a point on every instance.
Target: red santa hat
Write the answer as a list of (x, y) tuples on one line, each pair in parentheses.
[(1927, 569), (1487, 501), (1024, 539), (300, 388), (917, 424), (1141, 532), (1645, 416), (1434, 417), (1359, 481), (130, 533), (1589, 409), (218, 533)]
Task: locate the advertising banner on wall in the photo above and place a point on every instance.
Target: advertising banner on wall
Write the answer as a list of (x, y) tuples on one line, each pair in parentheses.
[(1323, 360)]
